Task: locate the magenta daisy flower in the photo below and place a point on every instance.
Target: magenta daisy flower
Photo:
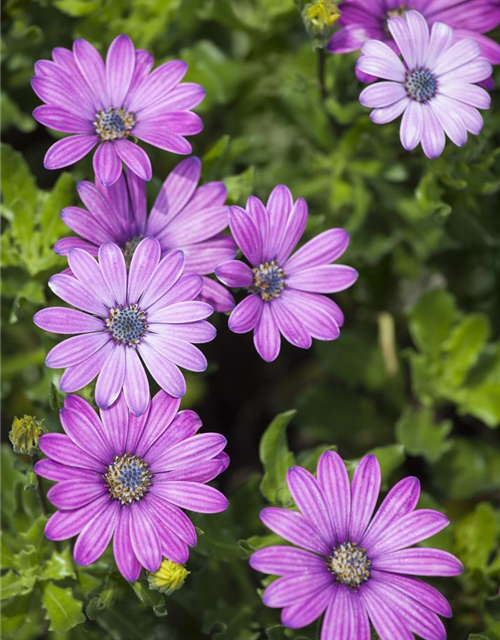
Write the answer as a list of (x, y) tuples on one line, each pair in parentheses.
[(284, 290), (362, 20), (184, 216), (433, 89), (128, 478), (105, 104), (355, 563), (149, 311)]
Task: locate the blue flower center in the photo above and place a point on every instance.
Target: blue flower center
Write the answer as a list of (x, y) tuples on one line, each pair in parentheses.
[(350, 565), (268, 280), (128, 478), (127, 325), (421, 85), (113, 124)]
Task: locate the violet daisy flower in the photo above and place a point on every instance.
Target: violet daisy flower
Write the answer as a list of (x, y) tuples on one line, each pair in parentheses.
[(149, 311), (434, 89), (351, 566), (107, 103), (128, 478), (284, 290), (184, 216), (362, 20)]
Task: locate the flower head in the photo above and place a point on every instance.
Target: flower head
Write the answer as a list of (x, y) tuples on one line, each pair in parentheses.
[(108, 103), (148, 311), (170, 577), (433, 88), (319, 18), (284, 290), (364, 20), (25, 433), (184, 216), (128, 478), (354, 562)]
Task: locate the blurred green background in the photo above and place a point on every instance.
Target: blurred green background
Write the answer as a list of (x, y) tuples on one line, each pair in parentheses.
[(415, 375)]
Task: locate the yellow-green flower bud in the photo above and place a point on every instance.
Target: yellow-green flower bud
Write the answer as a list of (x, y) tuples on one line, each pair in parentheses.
[(319, 18), (169, 578), (25, 433)]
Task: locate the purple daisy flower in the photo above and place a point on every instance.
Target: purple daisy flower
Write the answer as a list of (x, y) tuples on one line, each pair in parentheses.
[(184, 216), (128, 478), (149, 311), (106, 103), (434, 88), (362, 20), (284, 290), (351, 566)]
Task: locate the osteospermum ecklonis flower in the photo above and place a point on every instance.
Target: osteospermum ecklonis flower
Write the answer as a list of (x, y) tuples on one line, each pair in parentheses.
[(169, 578), (126, 478), (284, 290), (433, 88), (184, 216), (354, 563), (364, 20), (147, 314), (25, 434), (108, 103)]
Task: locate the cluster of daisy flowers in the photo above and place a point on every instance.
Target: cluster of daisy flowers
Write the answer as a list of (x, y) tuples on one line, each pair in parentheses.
[(140, 288)]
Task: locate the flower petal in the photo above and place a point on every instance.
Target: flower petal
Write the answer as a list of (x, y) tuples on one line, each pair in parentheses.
[(76, 493), (144, 261), (86, 269), (75, 350), (164, 276), (59, 119), (234, 273), (79, 375), (246, 234), (420, 562), (294, 528), (110, 380), (107, 164), (365, 489), (68, 151), (166, 374), (279, 207), (163, 409), (323, 249), (114, 271), (339, 622), (288, 589), (334, 480), (66, 524), (120, 65), (135, 384), (281, 560), (136, 159), (246, 314), (324, 279), (96, 535), (290, 326), (115, 420), (72, 291), (146, 543), (193, 496), (67, 321), (125, 558), (306, 611), (266, 337), (412, 125)]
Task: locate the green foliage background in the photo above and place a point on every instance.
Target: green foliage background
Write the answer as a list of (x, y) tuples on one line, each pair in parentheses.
[(415, 375)]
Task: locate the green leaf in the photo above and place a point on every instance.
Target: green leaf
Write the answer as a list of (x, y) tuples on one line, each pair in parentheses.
[(276, 459), (17, 181), (431, 319), (239, 187), (418, 432), (475, 537), (58, 566), (464, 346), (64, 611), (13, 584)]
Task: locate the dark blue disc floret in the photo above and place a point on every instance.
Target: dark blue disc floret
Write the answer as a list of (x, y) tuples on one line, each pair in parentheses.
[(421, 85), (127, 325), (268, 280), (128, 478)]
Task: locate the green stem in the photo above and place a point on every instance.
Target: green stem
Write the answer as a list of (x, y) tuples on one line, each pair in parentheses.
[(41, 491), (324, 90)]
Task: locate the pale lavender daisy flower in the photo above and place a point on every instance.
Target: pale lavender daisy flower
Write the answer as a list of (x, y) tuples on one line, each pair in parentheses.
[(363, 20), (148, 311), (184, 216), (284, 290), (355, 562), (434, 88), (126, 478), (106, 103)]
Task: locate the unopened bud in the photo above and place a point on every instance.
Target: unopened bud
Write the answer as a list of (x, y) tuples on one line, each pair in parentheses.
[(25, 433), (169, 578), (319, 18)]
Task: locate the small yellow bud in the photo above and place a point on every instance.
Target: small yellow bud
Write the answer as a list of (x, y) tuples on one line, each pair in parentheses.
[(169, 578), (25, 433), (320, 16)]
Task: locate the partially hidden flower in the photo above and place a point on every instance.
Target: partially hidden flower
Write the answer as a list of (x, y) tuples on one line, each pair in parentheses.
[(284, 290), (104, 104), (363, 20), (319, 18), (433, 88), (170, 577), (126, 478), (354, 563), (184, 216), (25, 434), (148, 311)]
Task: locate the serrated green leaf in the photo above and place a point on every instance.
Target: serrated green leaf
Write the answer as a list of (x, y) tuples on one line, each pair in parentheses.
[(13, 584), (59, 566), (475, 537), (276, 459), (464, 347), (64, 611), (431, 319), (418, 432)]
